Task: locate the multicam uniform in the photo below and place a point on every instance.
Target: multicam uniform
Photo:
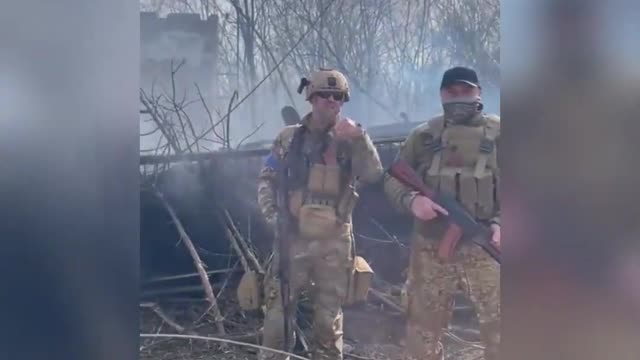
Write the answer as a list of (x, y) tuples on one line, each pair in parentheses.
[(461, 160), (322, 196)]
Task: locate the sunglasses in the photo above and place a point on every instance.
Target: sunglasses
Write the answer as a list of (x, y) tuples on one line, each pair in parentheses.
[(336, 95)]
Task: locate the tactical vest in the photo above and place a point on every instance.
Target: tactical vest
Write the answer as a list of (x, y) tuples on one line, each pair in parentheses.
[(462, 161), (327, 196)]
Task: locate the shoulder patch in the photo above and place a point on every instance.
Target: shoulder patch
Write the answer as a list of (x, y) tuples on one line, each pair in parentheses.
[(493, 124), (493, 119), (271, 161)]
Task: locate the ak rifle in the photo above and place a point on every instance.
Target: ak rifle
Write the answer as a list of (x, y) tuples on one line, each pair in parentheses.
[(461, 223)]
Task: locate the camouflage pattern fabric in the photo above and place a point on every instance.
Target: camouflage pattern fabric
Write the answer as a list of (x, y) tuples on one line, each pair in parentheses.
[(431, 282), (322, 266)]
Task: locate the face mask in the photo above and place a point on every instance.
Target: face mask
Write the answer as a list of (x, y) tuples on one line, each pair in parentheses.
[(461, 110)]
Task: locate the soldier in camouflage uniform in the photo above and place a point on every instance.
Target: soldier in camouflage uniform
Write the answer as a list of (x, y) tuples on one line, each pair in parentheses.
[(328, 155), (454, 153)]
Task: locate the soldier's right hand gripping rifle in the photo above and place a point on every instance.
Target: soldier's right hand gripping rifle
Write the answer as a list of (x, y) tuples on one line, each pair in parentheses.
[(461, 223)]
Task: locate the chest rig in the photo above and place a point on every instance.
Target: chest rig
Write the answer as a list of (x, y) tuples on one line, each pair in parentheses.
[(323, 197), (464, 163)]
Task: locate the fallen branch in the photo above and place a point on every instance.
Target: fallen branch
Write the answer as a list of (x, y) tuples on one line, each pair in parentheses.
[(301, 336), (225, 341), (184, 276), (250, 256), (380, 296), (158, 311), (234, 242), (164, 290), (218, 319)]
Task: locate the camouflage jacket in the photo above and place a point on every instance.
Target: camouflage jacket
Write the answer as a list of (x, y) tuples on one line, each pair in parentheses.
[(364, 159), (418, 153)]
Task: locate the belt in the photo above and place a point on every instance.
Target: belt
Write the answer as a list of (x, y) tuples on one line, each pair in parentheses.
[(320, 200)]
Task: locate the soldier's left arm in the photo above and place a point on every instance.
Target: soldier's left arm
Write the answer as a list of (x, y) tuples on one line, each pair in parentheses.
[(267, 180), (365, 161)]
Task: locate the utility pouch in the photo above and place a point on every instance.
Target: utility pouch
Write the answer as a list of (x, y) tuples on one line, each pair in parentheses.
[(331, 184), (360, 281), (347, 203), (316, 179), (317, 220), (249, 292)]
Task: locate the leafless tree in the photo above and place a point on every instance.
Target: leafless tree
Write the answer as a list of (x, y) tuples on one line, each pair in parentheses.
[(393, 51)]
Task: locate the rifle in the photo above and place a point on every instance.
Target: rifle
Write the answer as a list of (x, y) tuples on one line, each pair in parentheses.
[(461, 223), (281, 236)]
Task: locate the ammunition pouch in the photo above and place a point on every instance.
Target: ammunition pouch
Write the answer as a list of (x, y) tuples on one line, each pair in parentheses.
[(324, 179), (249, 292), (317, 215), (317, 218), (360, 281), (466, 167)]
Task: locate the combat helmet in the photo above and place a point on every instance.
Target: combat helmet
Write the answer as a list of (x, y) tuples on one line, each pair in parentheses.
[(324, 80)]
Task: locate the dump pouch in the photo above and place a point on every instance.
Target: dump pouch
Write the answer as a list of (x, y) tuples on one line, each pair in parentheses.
[(317, 220), (487, 186), (249, 292), (360, 281)]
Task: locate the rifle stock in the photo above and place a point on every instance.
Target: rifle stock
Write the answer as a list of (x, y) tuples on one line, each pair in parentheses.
[(461, 223), (282, 238)]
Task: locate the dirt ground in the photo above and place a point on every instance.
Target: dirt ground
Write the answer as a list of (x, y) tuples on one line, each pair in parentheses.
[(369, 334)]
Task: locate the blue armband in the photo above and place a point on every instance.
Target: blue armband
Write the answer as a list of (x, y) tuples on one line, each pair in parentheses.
[(271, 161)]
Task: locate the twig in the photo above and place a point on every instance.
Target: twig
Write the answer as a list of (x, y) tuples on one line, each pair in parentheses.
[(221, 340), (320, 16), (206, 108), (184, 276), (380, 296), (391, 237), (156, 309), (358, 356), (365, 237), (156, 119), (220, 291), (249, 135), (301, 336), (173, 290), (175, 104), (227, 136), (458, 339), (197, 262), (243, 244), (234, 242)]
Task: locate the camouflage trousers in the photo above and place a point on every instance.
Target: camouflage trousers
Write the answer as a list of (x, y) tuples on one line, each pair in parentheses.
[(322, 267), (430, 289)]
